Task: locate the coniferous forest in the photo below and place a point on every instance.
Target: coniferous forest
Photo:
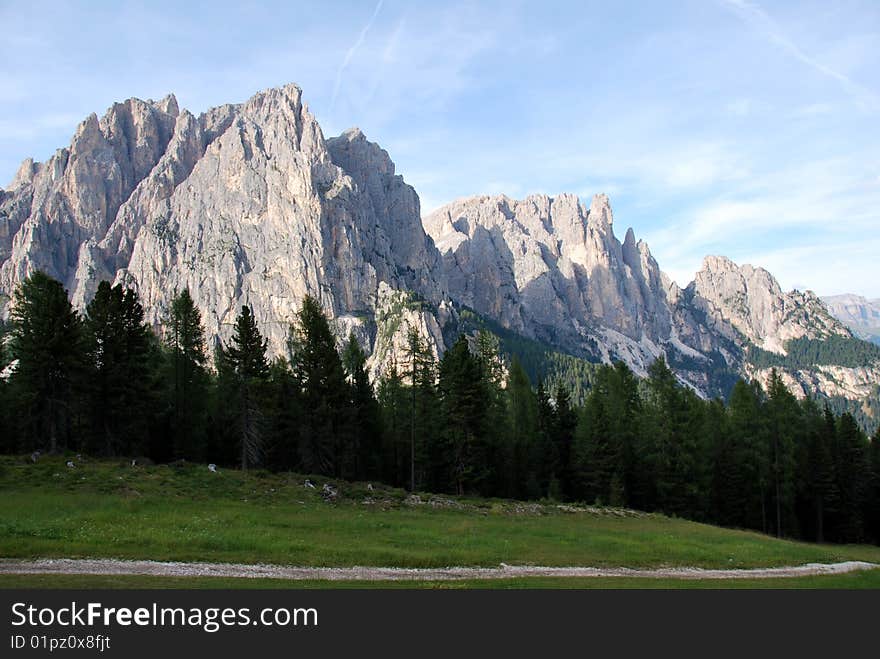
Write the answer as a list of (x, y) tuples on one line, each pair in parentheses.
[(102, 383)]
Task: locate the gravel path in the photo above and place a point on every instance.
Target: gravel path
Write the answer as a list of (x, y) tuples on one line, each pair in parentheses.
[(155, 568)]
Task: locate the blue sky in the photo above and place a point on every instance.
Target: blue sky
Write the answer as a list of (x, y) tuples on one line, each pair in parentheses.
[(716, 126)]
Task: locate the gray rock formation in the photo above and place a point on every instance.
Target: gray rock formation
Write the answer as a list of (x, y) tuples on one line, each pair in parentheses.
[(859, 314), (245, 204), (249, 204), (751, 300), (552, 269)]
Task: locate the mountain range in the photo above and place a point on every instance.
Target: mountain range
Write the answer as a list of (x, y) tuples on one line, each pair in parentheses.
[(251, 204), (861, 315)]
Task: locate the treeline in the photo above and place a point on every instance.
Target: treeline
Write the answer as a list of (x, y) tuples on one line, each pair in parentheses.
[(804, 353), (468, 423)]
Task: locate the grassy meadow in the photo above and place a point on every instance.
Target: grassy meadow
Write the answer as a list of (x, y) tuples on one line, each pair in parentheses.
[(183, 512)]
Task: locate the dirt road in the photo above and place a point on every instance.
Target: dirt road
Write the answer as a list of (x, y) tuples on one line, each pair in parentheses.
[(155, 568)]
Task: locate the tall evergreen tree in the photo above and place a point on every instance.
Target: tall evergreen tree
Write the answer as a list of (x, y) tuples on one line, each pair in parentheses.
[(362, 459), (245, 361), (488, 355), (320, 375), (544, 456), (851, 470), (565, 424), (118, 343), (189, 391), (420, 379), (284, 415), (783, 419), (604, 460), (394, 405), (522, 406), (47, 341), (747, 503), (464, 401)]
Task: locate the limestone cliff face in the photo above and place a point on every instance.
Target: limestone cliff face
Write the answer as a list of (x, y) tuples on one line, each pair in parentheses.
[(250, 204), (858, 313), (245, 204), (551, 268), (751, 300)]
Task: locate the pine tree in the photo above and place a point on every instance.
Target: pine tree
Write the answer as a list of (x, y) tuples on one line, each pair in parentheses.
[(544, 456), (394, 404), (245, 360), (119, 351), (605, 466), (522, 406), (363, 457), (320, 376), (47, 341), (420, 377), (189, 392), (815, 471), (783, 419), (749, 481), (851, 468), (488, 355), (563, 437), (284, 414), (464, 401)]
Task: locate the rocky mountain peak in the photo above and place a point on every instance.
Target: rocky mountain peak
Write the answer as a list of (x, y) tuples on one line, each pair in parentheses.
[(752, 301), (25, 174), (248, 203), (168, 105), (600, 214)]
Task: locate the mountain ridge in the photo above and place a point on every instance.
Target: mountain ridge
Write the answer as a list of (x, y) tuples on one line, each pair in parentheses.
[(249, 203)]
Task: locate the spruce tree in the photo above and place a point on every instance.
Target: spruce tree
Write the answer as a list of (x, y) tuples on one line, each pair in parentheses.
[(747, 505), (522, 413), (563, 437), (185, 339), (394, 405), (420, 380), (283, 417), (464, 400), (245, 361), (320, 376), (47, 341), (851, 468), (118, 343), (783, 425), (362, 459)]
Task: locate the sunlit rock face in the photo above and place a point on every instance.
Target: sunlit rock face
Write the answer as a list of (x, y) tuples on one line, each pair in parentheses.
[(249, 204)]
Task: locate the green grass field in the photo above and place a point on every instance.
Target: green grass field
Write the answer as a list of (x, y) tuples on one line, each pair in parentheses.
[(186, 513)]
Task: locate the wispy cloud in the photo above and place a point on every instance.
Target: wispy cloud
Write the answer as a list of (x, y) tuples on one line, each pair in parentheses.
[(759, 20), (349, 54)]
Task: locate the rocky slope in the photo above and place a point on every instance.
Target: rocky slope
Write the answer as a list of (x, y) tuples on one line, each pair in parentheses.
[(245, 204), (250, 204), (859, 314), (552, 269)]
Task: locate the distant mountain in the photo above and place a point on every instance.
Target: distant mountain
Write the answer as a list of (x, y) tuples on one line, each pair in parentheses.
[(861, 315), (250, 204)]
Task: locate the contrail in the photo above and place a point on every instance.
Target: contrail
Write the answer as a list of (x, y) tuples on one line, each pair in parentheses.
[(753, 15), (351, 51)]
